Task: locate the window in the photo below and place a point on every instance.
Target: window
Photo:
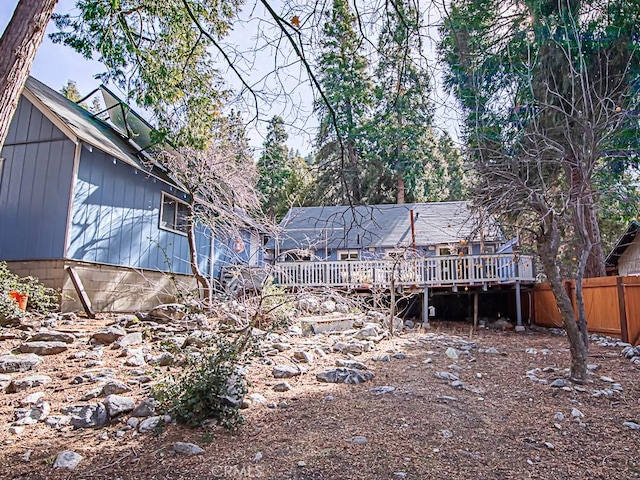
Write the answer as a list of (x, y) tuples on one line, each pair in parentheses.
[(489, 249), (395, 254), (174, 214), (444, 251), (297, 255), (347, 255)]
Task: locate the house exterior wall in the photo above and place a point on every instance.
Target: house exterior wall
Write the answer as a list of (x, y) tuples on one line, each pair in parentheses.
[(629, 262), (35, 184), (116, 219), (377, 253)]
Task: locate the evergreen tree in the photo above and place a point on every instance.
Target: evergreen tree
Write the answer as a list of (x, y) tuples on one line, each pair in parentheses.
[(403, 143), (70, 90), (348, 92), (273, 167)]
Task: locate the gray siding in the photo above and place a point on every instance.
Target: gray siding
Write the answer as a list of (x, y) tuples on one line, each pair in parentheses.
[(115, 220), (30, 125), (35, 182)]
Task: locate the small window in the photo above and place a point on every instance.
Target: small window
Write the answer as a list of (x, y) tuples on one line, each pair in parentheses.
[(395, 254), (489, 249), (444, 251), (174, 214), (297, 256), (347, 255)]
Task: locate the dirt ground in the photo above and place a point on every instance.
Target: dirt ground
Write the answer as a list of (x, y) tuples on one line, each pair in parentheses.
[(501, 425)]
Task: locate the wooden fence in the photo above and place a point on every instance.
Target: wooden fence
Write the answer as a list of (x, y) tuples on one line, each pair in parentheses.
[(612, 305)]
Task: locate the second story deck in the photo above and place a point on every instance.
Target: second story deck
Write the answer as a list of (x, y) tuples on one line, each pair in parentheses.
[(437, 271)]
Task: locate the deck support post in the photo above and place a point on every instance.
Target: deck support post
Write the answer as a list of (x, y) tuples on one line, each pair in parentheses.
[(519, 327), (425, 306), (475, 310)]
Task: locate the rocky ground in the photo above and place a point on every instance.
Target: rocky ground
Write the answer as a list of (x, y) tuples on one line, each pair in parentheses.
[(446, 402)]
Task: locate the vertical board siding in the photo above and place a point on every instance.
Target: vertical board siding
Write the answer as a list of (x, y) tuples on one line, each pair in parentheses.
[(115, 219), (602, 304), (34, 187), (629, 262), (631, 287), (30, 125)]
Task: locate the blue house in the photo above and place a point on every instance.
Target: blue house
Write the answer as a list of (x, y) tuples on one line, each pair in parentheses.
[(437, 250), (84, 208)]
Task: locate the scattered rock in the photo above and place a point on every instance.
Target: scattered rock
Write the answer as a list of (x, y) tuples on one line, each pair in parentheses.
[(116, 405), (32, 398), (576, 413), (558, 383), (128, 340), (89, 416), (67, 459), (108, 335), (34, 414), (287, 371), (52, 336), (146, 408), (382, 389), (282, 387), (115, 387), (149, 424), (165, 359), (358, 440), (632, 425), (351, 364), (344, 375), (19, 363), (446, 376), (452, 353), (21, 384), (183, 448), (304, 357), (399, 356)]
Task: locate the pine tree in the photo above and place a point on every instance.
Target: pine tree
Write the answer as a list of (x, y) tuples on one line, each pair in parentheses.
[(348, 92), (403, 141), (273, 168)]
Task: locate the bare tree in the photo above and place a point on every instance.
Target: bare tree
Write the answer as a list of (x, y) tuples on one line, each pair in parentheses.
[(221, 184)]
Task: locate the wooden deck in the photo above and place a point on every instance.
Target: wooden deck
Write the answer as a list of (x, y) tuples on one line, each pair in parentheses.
[(439, 271)]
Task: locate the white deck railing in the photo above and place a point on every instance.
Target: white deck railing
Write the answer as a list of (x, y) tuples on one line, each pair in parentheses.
[(421, 272)]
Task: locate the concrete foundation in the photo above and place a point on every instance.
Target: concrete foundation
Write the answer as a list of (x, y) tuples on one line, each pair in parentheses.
[(109, 288)]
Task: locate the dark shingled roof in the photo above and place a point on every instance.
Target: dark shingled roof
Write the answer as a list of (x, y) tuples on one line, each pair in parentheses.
[(386, 226)]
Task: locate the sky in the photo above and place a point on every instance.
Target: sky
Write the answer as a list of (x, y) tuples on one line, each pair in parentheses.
[(55, 64)]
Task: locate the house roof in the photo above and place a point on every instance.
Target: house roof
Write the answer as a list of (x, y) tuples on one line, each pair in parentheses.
[(623, 242), (386, 226), (90, 129)]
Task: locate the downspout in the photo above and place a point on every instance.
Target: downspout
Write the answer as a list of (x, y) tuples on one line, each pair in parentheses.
[(413, 232)]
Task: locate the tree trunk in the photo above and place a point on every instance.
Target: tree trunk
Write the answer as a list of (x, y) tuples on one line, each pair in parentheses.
[(548, 241), (193, 257), (401, 190), (595, 264), (18, 47)]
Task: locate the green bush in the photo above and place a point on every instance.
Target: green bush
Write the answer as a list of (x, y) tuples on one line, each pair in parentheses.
[(41, 299), (212, 385)]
